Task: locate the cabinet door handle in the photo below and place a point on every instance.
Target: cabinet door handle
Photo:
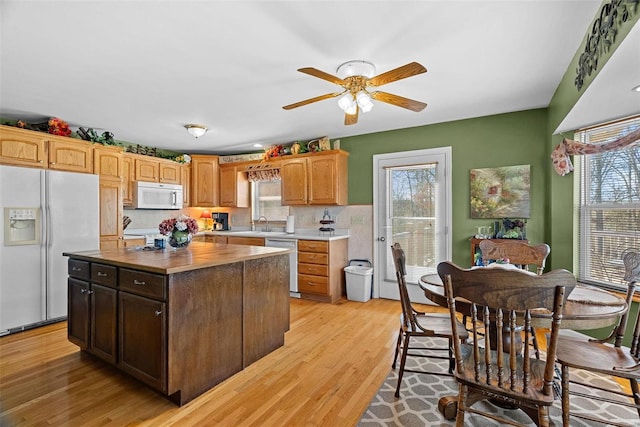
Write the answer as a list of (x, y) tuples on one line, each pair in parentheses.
[(83, 291), (139, 282), (101, 274), (158, 313), (76, 269)]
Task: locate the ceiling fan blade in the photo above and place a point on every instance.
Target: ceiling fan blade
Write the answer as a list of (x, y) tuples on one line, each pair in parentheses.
[(408, 70), (389, 98), (312, 100), (322, 75), (351, 119)]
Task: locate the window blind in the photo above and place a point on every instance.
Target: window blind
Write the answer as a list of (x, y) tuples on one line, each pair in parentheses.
[(609, 205)]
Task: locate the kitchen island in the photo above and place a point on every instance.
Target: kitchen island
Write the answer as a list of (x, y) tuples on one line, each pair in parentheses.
[(181, 320)]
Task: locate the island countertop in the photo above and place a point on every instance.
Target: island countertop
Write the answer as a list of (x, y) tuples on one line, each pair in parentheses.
[(169, 261)]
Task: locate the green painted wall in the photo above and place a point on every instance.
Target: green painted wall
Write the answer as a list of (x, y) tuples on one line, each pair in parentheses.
[(500, 140), (560, 232)]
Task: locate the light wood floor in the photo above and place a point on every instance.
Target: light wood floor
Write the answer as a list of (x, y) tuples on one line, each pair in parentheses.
[(334, 359)]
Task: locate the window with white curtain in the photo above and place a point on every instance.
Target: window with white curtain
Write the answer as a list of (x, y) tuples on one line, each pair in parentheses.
[(609, 204)]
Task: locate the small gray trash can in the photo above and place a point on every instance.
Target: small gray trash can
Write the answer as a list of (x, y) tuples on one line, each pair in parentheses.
[(359, 280)]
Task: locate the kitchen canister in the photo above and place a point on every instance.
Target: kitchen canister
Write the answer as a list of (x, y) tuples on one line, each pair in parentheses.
[(290, 224)]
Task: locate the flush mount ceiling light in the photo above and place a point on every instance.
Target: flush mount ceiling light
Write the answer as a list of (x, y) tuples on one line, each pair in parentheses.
[(357, 78), (196, 130)]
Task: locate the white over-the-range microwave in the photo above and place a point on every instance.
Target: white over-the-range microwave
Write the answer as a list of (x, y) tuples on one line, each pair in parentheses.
[(154, 195)]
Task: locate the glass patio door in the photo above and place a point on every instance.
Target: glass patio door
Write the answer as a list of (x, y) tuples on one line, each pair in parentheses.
[(412, 199)]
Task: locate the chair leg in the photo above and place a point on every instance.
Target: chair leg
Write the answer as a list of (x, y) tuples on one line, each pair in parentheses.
[(452, 363), (565, 396), (403, 360), (398, 344), (636, 392), (463, 393)]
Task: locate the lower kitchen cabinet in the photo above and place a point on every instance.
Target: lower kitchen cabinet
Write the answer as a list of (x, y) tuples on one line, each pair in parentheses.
[(78, 312), (104, 309), (320, 269), (92, 311), (143, 345)]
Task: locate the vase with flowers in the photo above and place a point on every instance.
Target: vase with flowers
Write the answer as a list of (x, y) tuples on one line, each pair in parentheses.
[(179, 230)]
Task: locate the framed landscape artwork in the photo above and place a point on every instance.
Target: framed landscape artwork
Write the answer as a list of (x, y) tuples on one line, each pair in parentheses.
[(500, 192)]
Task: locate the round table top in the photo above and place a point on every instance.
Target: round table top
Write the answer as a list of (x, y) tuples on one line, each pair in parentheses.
[(587, 307)]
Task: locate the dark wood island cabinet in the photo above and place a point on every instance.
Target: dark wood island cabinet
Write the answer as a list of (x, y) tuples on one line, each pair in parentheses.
[(182, 320)]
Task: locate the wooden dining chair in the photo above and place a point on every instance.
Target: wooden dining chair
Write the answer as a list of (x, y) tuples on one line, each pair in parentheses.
[(607, 357), (490, 367), (414, 323), (520, 254)]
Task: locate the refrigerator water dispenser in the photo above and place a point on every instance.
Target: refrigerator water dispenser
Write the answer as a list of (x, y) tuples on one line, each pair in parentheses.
[(21, 226)]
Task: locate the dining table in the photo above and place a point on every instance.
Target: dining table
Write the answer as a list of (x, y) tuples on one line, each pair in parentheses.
[(586, 307)]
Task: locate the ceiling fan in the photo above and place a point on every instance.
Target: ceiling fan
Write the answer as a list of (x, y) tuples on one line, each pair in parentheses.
[(357, 78)]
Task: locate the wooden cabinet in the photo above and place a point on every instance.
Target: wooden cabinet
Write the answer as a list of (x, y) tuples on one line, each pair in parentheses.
[(204, 180), (170, 172), (142, 333), (108, 161), (315, 179), (185, 172), (147, 169), (154, 169), (234, 187), (110, 213), (239, 240), (294, 185), (19, 147), (132, 243), (128, 176), (320, 269), (92, 312), (68, 154)]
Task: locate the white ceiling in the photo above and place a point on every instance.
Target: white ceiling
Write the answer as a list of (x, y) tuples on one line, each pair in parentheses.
[(144, 69)]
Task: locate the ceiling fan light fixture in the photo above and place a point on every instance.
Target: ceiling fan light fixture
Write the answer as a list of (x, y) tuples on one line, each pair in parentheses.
[(196, 130), (346, 103), (364, 101), (356, 68)]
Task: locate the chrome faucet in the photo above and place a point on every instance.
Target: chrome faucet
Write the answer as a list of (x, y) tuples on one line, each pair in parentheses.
[(266, 227)]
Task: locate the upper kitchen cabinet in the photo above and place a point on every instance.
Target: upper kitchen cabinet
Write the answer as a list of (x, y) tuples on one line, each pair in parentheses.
[(315, 179), (234, 187), (68, 154), (204, 180), (108, 161), (128, 176), (154, 169), (170, 172), (20, 147), (185, 172), (147, 169)]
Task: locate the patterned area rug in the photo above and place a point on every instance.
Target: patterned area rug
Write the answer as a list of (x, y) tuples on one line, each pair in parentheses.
[(419, 395)]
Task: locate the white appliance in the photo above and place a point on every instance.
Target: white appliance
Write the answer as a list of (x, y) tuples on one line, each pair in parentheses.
[(293, 261), (153, 195), (44, 214)]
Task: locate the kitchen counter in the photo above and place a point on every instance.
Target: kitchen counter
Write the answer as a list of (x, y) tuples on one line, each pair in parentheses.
[(181, 321), (169, 261), (303, 234)]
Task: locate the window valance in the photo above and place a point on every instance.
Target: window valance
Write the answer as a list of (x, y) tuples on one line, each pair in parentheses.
[(568, 147)]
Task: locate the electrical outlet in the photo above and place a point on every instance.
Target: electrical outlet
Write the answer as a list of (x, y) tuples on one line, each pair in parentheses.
[(357, 220)]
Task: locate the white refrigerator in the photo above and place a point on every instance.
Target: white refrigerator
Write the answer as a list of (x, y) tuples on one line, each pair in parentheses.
[(44, 213)]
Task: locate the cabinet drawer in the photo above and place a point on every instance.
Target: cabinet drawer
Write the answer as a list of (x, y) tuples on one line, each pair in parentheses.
[(313, 269), (313, 258), (142, 283), (79, 269), (313, 284), (313, 246), (104, 274)]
